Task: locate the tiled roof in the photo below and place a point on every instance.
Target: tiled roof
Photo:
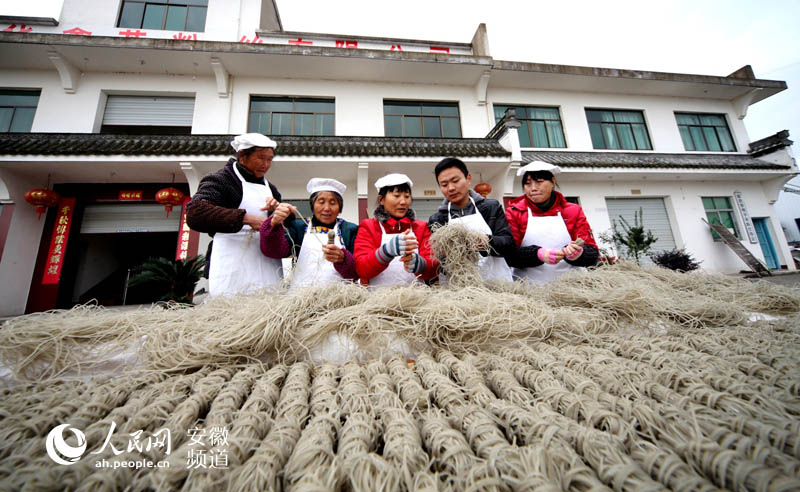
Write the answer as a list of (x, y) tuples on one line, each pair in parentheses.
[(649, 160), (770, 144), (95, 144)]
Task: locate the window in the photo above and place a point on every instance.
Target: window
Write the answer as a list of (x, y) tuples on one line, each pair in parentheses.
[(541, 127), (16, 110), (705, 132), (148, 115), (169, 15), (719, 211), (573, 199), (291, 116), (612, 129), (421, 119)]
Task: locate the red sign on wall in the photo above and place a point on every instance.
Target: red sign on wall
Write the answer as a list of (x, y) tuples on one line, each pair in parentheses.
[(58, 242), (130, 196), (183, 234)]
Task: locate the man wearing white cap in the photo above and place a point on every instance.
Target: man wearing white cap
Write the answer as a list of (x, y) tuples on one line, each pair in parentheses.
[(552, 235), (230, 205), (323, 244), (393, 248)]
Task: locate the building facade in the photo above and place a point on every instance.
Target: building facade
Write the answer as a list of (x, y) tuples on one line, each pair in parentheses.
[(108, 104)]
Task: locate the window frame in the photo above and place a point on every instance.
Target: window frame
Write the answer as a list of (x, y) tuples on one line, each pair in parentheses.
[(702, 126), (189, 4), (529, 128), (617, 125), (293, 100), (732, 211), (14, 108), (422, 104)]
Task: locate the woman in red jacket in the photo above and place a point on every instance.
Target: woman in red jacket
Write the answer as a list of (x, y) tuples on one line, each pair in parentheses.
[(547, 228), (392, 248)]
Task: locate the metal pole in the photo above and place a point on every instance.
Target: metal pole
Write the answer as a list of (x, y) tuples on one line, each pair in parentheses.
[(125, 289)]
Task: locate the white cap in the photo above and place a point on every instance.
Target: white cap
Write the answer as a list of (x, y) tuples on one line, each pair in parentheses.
[(248, 140), (538, 166), (394, 179), (325, 184)]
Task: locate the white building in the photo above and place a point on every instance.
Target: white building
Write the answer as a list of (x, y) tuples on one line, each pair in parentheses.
[(114, 100)]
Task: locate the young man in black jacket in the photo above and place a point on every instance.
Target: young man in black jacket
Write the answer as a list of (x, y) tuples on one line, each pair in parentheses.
[(465, 206)]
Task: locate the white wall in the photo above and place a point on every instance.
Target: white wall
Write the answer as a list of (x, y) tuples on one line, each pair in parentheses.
[(685, 210), (226, 20), (788, 209), (22, 245), (359, 105), (659, 113)]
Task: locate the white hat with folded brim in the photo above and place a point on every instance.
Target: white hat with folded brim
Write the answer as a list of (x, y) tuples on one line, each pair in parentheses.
[(538, 166), (315, 185), (249, 140), (395, 179)]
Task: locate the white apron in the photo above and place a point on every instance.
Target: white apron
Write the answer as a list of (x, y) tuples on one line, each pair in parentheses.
[(395, 273), (491, 267), (237, 264), (312, 268), (548, 232)]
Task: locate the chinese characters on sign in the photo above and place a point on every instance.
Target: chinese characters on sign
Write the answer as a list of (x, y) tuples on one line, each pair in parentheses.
[(58, 242), (130, 196), (211, 454), (183, 234), (748, 222)]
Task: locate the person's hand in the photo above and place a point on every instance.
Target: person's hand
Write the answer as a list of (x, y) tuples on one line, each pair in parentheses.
[(411, 243), (572, 251), (414, 263), (394, 247), (254, 221), (282, 211), (333, 253), (550, 256), (270, 205)]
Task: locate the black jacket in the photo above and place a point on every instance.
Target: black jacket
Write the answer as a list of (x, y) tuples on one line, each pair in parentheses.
[(502, 242), (215, 205)]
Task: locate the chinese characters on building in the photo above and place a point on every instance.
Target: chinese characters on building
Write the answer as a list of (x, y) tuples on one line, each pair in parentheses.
[(58, 242), (130, 196)]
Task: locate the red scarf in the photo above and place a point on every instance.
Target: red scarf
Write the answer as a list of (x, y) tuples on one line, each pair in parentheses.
[(394, 226)]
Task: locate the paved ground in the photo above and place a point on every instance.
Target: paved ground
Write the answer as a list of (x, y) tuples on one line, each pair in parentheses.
[(789, 279)]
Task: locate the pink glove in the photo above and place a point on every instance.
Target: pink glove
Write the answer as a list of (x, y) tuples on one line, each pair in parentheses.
[(575, 255), (549, 256)]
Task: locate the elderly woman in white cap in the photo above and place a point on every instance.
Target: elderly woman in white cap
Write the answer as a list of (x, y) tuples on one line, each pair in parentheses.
[(552, 234), (392, 248), (323, 243), (231, 204)]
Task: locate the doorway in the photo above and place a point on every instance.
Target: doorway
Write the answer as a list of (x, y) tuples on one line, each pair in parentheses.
[(767, 246)]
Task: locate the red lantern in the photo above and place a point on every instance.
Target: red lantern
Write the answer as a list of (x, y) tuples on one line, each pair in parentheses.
[(483, 189), (42, 198), (169, 197)]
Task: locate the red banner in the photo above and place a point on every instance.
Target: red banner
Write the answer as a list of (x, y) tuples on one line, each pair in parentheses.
[(183, 234), (130, 196), (58, 242)]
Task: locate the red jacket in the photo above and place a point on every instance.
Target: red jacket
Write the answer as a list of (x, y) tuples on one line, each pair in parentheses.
[(575, 220), (369, 239)]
